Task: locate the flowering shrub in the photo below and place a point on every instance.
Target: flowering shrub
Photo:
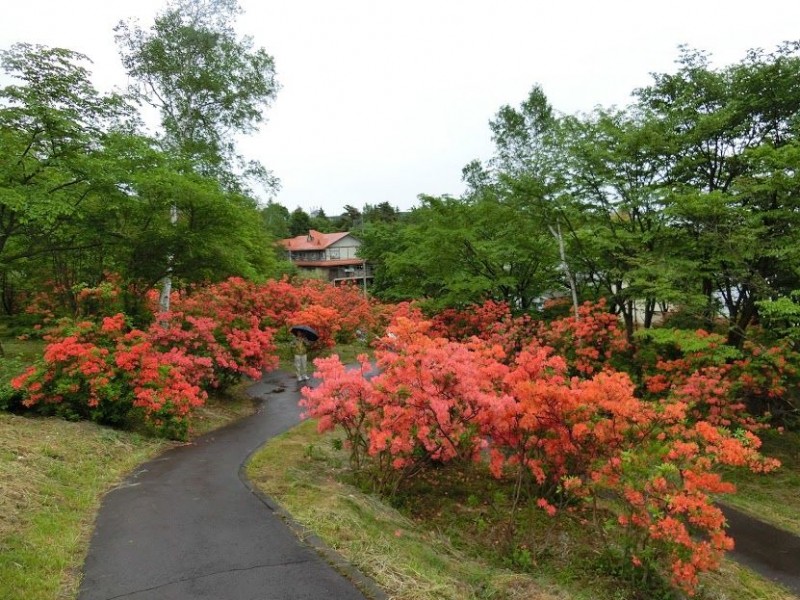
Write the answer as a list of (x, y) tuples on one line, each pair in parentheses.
[(354, 312), (492, 322), (588, 343), (325, 321), (573, 428), (730, 387), (767, 380), (232, 348), (110, 375), (103, 369), (428, 404)]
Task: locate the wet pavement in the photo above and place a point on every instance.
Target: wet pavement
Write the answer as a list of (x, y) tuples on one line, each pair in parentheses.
[(772, 552), (186, 526)]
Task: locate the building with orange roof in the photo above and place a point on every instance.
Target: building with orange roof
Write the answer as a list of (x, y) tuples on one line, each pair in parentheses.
[(329, 256)]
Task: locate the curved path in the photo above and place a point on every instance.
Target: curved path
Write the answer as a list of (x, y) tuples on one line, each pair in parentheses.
[(185, 526)]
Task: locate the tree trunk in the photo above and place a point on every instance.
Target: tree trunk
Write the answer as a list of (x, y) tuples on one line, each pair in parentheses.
[(166, 283), (628, 317), (738, 329), (709, 313), (563, 255), (649, 312)]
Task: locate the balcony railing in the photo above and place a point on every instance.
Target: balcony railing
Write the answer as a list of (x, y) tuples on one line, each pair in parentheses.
[(354, 273)]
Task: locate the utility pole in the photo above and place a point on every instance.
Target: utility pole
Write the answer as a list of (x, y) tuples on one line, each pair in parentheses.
[(365, 262)]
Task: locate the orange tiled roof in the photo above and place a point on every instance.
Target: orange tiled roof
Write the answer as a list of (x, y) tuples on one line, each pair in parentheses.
[(313, 240)]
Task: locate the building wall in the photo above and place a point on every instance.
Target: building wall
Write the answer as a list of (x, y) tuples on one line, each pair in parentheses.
[(345, 248)]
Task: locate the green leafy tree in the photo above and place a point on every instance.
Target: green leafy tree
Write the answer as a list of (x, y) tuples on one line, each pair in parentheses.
[(321, 222), (299, 222), (382, 212), (350, 219), (208, 85), (731, 139), (528, 165), (454, 252), (53, 128), (275, 217), (618, 181)]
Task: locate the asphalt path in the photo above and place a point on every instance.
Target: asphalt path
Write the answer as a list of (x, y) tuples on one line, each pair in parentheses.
[(771, 552), (187, 525)]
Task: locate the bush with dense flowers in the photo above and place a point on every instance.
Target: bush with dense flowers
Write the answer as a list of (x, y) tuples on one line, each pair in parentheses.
[(570, 429), (102, 368), (115, 375)]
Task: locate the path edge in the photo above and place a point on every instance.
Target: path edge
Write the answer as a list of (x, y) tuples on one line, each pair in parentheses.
[(365, 584)]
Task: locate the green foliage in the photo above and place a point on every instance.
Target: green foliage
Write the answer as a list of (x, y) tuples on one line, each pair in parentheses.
[(684, 201), (781, 317), (682, 342), (206, 82), (276, 220), (299, 222), (83, 194), (454, 252)]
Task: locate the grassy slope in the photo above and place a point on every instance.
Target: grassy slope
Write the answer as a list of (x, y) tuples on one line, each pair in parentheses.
[(442, 547), (53, 475)]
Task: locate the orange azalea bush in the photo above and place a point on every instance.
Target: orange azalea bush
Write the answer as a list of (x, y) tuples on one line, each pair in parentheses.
[(111, 374), (641, 469)]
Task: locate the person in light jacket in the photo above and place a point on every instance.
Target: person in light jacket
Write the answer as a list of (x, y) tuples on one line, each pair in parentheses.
[(300, 358)]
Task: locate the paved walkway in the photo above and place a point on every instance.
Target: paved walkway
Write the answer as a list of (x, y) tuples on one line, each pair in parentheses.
[(186, 527), (772, 552)]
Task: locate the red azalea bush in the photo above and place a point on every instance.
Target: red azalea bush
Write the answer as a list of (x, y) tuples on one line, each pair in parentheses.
[(355, 312), (103, 369), (491, 321), (640, 469), (112, 375), (590, 342)]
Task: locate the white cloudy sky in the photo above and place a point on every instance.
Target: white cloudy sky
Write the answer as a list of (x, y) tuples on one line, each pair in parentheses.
[(382, 101)]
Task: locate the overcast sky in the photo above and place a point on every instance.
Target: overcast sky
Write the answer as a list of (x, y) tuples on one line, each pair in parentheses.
[(382, 101)]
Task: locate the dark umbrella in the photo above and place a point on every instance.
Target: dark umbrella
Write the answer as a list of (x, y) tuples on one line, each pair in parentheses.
[(307, 332)]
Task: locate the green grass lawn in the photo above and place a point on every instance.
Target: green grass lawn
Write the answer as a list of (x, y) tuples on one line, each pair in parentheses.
[(23, 350), (440, 540)]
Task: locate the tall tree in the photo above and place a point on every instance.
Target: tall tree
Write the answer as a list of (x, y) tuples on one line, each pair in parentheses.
[(383, 212), (53, 125), (207, 83), (276, 219), (618, 178), (732, 135), (321, 222), (350, 219), (458, 251), (529, 165)]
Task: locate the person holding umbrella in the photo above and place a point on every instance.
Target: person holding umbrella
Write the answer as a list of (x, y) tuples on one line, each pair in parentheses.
[(303, 334)]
